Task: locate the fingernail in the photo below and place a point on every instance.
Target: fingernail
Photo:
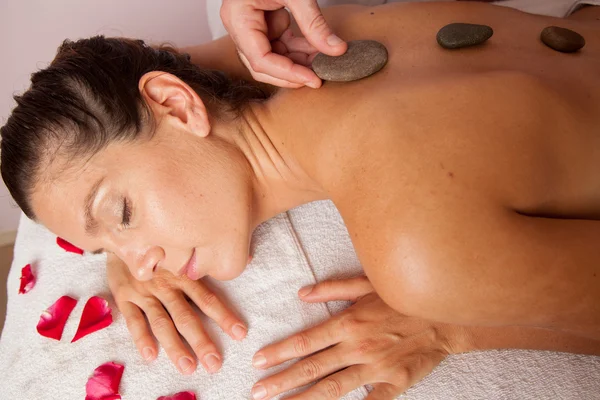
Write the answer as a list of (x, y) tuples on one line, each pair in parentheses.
[(333, 40), (185, 364), (259, 360), (238, 331), (147, 353), (258, 392), (311, 84), (212, 361), (305, 291)]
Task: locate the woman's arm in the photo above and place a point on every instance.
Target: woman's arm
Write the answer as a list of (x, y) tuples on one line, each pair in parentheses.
[(497, 267), (370, 343)]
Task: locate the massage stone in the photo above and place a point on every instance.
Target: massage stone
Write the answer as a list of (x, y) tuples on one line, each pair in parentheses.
[(562, 39), (363, 58), (458, 35)]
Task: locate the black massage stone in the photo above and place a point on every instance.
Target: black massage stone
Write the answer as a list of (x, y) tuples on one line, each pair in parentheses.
[(458, 35), (562, 39), (363, 58)]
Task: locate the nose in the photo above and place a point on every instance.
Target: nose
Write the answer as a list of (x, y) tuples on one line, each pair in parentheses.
[(142, 263)]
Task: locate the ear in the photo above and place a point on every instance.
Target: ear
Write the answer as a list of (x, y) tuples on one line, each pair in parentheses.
[(169, 96)]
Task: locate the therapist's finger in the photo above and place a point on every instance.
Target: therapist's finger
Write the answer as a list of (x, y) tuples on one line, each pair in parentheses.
[(339, 289), (297, 44), (138, 328), (301, 344), (263, 61), (314, 27), (267, 78), (249, 30), (303, 372), (189, 325), (164, 330), (215, 309)]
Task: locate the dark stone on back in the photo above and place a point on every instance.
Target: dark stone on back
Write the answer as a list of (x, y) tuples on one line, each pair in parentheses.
[(457, 35), (562, 39), (363, 58)]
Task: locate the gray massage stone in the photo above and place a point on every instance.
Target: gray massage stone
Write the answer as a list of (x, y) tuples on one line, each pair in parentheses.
[(458, 35), (562, 39), (363, 58)]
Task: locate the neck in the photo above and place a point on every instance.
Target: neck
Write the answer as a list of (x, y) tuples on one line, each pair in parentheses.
[(279, 182)]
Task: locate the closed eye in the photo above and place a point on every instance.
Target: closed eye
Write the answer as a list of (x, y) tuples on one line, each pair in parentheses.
[(126, 213)]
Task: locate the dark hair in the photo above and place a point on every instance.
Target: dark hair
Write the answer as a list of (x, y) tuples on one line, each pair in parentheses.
[(88, 97)]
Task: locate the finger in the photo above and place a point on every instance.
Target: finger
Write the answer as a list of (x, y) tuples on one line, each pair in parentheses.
[(281, 67), (337, 385), (269, 79), (248, 29), (138, 328), (215, 309), (384, 391), (303, 372), (342, 289), (164, 330), (297, 44), (300, 344), (314, 27), (299, 58), (257, 49), (190, 326)]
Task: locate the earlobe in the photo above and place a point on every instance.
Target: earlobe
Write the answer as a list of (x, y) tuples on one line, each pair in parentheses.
[(169, 96)]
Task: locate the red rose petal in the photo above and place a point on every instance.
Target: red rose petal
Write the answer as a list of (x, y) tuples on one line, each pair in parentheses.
[(27, 279), (179, 396), (53, 320), (68, 246), (96, 315), (104, 384)]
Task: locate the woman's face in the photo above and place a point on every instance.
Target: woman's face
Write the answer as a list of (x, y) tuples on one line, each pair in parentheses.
[(175, 201)]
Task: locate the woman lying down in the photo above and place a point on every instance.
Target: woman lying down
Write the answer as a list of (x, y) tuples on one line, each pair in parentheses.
[(467, 180)]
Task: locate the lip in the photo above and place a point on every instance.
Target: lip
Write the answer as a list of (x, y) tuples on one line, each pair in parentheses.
[(191, 268)]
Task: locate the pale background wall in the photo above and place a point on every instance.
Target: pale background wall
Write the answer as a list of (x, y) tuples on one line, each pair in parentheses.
[(31, 31)]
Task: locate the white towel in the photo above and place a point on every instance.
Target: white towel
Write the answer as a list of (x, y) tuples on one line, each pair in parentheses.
[(290, 251)]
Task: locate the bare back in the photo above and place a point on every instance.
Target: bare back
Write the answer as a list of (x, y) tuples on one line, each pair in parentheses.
[(443, 139)]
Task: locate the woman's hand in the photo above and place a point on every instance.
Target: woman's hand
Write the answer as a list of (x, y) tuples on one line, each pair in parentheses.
[(163, 301), (268, 47), (368, 343)]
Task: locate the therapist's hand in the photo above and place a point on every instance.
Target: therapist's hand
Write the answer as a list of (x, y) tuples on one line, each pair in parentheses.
[(163, 302), (368, 343), (268, 48)]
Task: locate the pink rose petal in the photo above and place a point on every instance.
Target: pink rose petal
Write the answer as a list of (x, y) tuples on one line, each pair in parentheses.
[(68, 246), (104, 384), (53, 320), (27, 279), (96, 315), (179, 396)]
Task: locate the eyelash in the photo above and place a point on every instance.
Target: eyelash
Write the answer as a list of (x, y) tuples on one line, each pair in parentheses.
[(126, 213)]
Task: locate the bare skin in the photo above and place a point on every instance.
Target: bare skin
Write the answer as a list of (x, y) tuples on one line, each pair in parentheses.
[(452, 160), (466, 178)]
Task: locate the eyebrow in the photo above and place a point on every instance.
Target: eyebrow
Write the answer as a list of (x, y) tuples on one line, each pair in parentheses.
[(91, 225)]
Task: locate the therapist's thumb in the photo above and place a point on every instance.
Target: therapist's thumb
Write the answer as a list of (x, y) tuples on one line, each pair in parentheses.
[(315, 28)]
